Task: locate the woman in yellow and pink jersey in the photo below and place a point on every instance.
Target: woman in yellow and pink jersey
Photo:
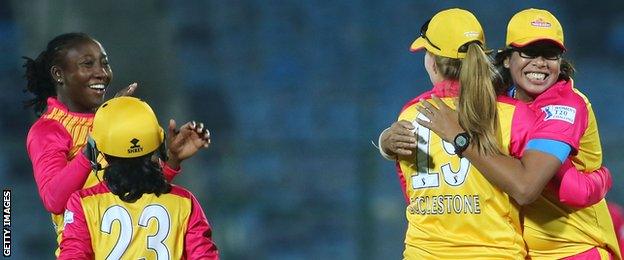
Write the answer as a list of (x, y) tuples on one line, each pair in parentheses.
[(135, 213), (557, 223)]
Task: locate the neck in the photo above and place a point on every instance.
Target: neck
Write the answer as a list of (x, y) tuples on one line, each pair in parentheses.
[(520, 94), (72, 106)]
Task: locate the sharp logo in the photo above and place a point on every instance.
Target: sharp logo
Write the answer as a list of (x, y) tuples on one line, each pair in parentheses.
[(136, 147)]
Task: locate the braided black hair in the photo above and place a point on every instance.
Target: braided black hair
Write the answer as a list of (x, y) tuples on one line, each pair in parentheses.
[(130, 178), (40, 81)]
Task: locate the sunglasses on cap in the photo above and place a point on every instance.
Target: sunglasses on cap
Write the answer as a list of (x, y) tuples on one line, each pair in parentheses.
[(423, 30), (546, 53)]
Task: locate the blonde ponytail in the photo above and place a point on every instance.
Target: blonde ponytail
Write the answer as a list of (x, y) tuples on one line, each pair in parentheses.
[(477, 100)]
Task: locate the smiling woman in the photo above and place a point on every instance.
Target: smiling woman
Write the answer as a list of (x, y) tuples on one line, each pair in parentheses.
[(83, 76), (533, 68), (70, 64), (69, 80)]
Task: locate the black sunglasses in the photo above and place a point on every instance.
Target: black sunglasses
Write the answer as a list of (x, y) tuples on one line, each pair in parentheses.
[(532, 53), (423, 30)]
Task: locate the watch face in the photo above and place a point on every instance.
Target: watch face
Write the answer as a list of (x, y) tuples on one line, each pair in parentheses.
[(461, 141)]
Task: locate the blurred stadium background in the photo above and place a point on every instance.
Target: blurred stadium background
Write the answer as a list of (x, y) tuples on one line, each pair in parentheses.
[(293, 93)]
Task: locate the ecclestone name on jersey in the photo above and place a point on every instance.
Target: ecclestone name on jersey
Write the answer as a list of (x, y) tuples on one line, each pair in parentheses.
[(445, 204)]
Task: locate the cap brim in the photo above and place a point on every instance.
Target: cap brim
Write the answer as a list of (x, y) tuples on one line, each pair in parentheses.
[(520, 44), (418, 44)]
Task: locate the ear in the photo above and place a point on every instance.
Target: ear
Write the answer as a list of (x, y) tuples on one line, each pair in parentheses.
[(57, 74), (435, 67), (506, 63)]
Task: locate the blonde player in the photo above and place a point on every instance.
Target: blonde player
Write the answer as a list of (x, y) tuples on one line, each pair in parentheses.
[(453, 211), (557, 224), (134, 213)]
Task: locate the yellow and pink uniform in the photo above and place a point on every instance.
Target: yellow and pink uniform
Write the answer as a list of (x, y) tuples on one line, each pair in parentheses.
[(54, 143), (553, 229), (453, 211), (99, 225)]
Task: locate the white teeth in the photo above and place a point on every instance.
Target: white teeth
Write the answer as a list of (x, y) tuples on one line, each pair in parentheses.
[(98, 86), (536, 75)]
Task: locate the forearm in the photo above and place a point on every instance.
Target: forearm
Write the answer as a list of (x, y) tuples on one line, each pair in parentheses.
[(502, 171), (523, 179), (57, 179), (581, 190)]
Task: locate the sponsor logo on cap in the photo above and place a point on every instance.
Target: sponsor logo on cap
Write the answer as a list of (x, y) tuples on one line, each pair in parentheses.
[(540, 23), (471, 34), (136, 147)]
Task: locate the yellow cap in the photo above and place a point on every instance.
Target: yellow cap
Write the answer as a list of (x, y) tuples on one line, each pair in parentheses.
[(447, 31), (126, 127), (531, 25)]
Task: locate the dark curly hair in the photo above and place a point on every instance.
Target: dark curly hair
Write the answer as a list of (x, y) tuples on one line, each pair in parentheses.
[(38, 76), (130, 178)]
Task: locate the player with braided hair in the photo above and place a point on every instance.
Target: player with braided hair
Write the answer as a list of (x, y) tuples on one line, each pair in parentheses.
[(134, 213), (69, 80)]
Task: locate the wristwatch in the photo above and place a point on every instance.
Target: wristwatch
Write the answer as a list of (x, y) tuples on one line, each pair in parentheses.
[(461, 142)]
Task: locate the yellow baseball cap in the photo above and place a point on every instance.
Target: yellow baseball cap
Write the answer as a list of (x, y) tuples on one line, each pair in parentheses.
[(447, 32), (126, 127), (531, 25)]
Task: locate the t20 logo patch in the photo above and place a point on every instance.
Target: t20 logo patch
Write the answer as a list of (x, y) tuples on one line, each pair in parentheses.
[(68, 217), (559, 112)]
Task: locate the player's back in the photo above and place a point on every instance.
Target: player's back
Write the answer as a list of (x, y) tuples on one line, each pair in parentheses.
[(453, 211), (153, 227)]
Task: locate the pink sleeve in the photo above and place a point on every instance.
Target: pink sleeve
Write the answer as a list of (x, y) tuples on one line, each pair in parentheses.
[(564, 120), (578, 189), (57, 178), (522, 125), (169, 172), (76, 242), (198, 242), (402, 182)]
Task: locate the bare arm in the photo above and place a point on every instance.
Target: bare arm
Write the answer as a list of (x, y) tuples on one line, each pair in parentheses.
[(522, 179)]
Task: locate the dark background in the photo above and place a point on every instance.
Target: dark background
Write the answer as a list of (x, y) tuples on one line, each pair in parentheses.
[(293, 93)]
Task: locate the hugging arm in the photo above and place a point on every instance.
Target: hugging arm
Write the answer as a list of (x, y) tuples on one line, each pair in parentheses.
[(524, 178)]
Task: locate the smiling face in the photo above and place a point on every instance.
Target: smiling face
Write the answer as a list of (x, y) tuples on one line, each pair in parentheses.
[(85, 73), (533, 70)]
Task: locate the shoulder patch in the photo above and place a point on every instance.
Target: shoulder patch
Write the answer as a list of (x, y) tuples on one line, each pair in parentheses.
[(559, 112), (68, 217)]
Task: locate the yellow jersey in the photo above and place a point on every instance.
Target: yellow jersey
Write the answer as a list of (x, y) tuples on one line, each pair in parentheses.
[(454, 212)]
